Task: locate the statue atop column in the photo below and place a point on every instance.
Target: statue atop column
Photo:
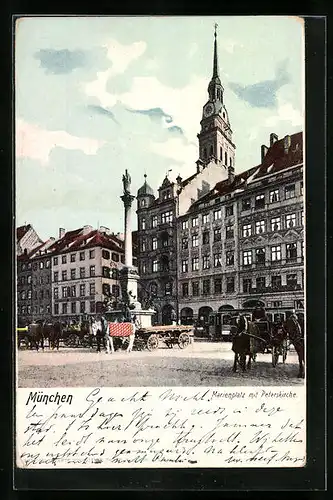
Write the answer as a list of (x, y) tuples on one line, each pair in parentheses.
[(127, 183)]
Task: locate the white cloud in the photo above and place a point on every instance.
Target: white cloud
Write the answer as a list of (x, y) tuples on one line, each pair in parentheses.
[(121, 56), (37, 143), (286, 112), (176, 150)]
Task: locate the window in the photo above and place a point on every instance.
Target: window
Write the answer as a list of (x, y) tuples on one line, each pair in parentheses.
[(73, 273), (63, 259), (166, 195), (217, 234), (195, 288), (29, 279), (73, 307), (247, 230), (229, 232), (260, 226), (247, 285), (64, 292), (29, 294), (55, 261), (276, 282), (302, 218), (143, 224), (185, 224), (82, 307), (143, 203), (291, 251), (82, 290), (195, 222), (205, 238), (34, 266), (217, 259), (184, 243), (165, 240), (195, 240), (72, 257), (105, 254), (41, 265), (277, 303), (115, 257), (230, 258), (143, 245), (259, 201), (247, 257), (276, 224), (230, 284), (48, 264), (64, 307), (154, 243), (205, 219), (195, 263), (82, 272), (229, 210), (115, 290), (301, 188), (41, 309), (106, 272), (92, 306), (289, 191), (291, 280), (218, 285), (64, 275), (92, 271), (225, 158), (217, 214), (290, 220), (276, 253), (106, 289), (184, 266), (41, 280), (206, 287), (260, 256), (302, 249), (260, 283), (114, 273), (154, 221), (168, 288), (56, 308), (73, 291), (246, 204), (274, 196), (155, 266), (185, 289), (206, 262), (82, 256), (91, 254), (143, 268), (56, 293), (166, 217)]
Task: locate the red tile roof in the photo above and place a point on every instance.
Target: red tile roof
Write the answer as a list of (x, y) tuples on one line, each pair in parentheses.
[(75, 240)]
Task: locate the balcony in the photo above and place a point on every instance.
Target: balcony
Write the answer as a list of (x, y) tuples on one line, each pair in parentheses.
[(276, 289)]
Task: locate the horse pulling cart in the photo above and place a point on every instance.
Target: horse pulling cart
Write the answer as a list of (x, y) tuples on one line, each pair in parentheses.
[(150, 337)]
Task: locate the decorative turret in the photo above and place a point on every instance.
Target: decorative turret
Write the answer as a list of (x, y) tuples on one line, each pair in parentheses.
[(145, 195)]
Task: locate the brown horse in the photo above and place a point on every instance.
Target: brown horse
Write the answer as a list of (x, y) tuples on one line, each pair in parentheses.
[(246, 342), (36, 335), (296, 337)]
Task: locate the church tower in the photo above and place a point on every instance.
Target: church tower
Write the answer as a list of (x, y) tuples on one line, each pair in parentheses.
[(215, 137)]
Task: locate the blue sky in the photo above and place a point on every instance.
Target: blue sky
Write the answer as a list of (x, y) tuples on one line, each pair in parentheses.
[(97, 95)]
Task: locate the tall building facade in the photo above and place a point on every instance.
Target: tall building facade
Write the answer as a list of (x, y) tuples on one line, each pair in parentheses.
[(219, 239)]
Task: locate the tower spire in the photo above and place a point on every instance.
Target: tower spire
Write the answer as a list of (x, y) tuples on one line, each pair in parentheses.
[(216, 63)]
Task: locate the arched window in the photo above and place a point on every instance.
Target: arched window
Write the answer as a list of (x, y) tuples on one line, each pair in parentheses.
[(225, 158), (143, 203)]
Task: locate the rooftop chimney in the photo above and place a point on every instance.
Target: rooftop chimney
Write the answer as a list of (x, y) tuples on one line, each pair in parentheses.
[(62, 232), (231, 174), (104, 229), (264, 150), (286, 143), (273, 138), (87, 229)]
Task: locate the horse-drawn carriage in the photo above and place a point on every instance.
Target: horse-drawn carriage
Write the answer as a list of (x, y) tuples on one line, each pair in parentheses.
[(172, 335)]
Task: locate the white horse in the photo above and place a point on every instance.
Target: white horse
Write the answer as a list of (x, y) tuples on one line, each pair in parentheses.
[(109, 339)]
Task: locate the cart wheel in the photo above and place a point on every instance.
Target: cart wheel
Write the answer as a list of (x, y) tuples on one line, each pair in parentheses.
[(24, 343), (73, 340), (183, 340), (275, 356), (152, 342), (85, 341), (169, 344)]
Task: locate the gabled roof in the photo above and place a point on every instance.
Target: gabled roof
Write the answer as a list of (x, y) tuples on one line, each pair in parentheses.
[(22, 231), (75, 240)]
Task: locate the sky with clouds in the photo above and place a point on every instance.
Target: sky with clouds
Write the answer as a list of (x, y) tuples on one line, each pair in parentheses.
[(97, 95)]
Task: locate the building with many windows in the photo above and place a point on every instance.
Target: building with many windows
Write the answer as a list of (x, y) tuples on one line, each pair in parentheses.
[(243, 242)]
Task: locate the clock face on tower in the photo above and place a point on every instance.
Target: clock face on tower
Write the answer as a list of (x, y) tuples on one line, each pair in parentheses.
[(208, 110)]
